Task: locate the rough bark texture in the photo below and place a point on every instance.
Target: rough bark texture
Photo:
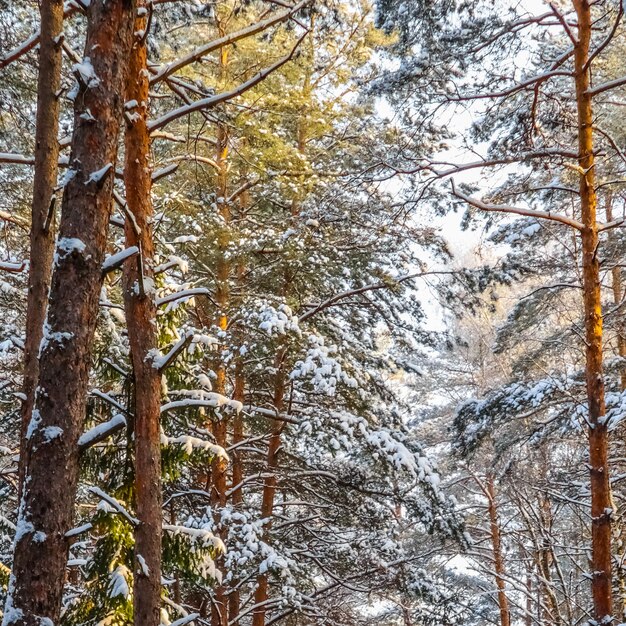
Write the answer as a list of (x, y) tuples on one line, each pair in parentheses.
[(141, 310), (496, 547), (47, 504), (42, 225), (598, 435)]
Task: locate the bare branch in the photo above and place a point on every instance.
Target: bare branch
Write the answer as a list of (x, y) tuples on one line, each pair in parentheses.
[(496, 208)]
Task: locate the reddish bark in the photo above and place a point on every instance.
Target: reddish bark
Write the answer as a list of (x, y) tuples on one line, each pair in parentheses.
[(47, 504), (496, 547), (141, 313), (598, 434), (42, 231), (269, 487)]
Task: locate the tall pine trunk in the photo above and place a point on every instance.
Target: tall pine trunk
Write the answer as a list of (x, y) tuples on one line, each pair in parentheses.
[(269, 487), (141, 314), (42, 209), (496, 547), (47, 504), (598, 433)]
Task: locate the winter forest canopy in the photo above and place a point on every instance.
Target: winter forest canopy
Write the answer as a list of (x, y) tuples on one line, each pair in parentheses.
[(312, 313)]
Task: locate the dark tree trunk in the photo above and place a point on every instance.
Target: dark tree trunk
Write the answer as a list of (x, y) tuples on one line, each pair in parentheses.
[(47, 504), (42, 210)]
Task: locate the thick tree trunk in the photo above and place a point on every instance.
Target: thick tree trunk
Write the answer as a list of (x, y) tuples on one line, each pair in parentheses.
[(598, 434), (42, 210), (47, 504), (141, 313), (496, 547)]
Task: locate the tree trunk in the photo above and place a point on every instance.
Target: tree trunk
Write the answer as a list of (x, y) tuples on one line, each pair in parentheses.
[(496, 546), (234, 598), (42, 210), (219, 466), (47, 504), (598, 434), (269, 487), (617, 531), (141, 313)]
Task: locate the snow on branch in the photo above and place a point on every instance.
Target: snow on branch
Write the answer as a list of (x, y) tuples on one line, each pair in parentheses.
[(163, 361), (187, 619), (231, 38), (212, 101), (611, 84), (113, 505), (185, 294), (115, 261), (189, 444), (14, 268), (497, 208), (209, 399), (100, 432), (12, 158)]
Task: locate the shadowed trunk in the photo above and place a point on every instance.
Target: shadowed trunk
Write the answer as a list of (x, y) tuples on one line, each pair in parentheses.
[(42, 210), (47, 505)]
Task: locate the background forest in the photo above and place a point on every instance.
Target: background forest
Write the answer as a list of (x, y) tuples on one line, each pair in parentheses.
[(312, 313)]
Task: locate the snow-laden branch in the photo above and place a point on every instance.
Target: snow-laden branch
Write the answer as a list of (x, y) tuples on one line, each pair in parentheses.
[(187, 619), (498, 208), (390, 284), (12, 158), (162, 362), (611, 84), (231, 38), (14, 268), (100, 432), (185, 294), (115, 505), (212, 101), (209, 400), (531, 82), (115, 261)]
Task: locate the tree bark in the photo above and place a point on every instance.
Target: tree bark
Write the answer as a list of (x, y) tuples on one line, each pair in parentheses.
[(219, 465), (496, 547), (141, 314), (42, 210), (47, 504), (598, 434), (269, 487)]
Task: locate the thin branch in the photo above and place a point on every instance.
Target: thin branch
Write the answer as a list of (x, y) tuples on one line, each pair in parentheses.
[(496, 208), (231, 38), (207, 103)]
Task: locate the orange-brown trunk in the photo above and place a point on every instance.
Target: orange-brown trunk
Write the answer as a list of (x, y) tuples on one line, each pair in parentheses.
[(140, 305), (598, 434)]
